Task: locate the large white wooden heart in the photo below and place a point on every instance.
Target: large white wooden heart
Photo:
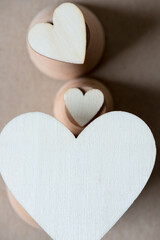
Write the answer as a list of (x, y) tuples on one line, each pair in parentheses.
[(83, 107), (76, 188), (65, 40)]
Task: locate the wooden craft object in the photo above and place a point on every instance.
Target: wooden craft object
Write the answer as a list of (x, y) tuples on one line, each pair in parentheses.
[(83, 107), (76, 188), (84, 84), (62, 39)]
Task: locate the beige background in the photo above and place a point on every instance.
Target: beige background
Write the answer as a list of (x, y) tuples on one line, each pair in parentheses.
[(130, 68)]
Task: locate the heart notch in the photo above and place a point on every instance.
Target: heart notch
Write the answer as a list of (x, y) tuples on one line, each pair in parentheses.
[(79, 102), (65, 37)]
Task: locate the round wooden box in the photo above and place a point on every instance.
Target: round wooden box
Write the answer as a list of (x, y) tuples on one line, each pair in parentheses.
[(64, 70), (84, 84)]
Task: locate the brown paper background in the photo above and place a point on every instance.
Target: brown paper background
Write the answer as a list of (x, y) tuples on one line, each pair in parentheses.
[(130, 68)]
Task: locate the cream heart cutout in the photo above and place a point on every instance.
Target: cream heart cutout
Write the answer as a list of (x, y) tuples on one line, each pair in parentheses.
[(65, 40), (83, 107), (76, 188)]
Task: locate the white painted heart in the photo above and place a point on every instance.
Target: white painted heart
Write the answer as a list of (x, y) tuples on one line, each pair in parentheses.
[(65, 40), (83, 107), (76, 188)]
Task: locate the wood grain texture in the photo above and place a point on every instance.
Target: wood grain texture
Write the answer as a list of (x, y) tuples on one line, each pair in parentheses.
[(83, 107), (86, 183), (65, 40), (95, 43), (85, 84)]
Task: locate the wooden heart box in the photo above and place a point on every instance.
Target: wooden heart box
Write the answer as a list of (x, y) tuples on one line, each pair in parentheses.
[(84, 49), (84, 183)]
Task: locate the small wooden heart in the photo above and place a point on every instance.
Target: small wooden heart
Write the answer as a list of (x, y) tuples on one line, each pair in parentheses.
[(65, 39), (83, 107)]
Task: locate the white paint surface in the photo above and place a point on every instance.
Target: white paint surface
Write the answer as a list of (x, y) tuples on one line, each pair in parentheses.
[(83, 107), (65, 40), (76, 188)]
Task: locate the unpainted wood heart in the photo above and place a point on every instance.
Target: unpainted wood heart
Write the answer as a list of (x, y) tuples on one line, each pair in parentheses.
[(83, 107), (65, 40), (76, 188)]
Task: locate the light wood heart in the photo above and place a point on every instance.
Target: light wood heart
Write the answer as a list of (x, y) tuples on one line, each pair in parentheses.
[(76, 188), (65, 39), (83, 107)]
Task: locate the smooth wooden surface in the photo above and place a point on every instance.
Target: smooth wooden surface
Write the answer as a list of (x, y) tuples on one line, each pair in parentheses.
[(85, 84), (130, 69), (94, 47), (83, 107), (20, 211), (86, 183), (65, 39)]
